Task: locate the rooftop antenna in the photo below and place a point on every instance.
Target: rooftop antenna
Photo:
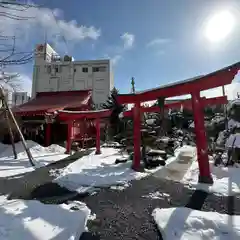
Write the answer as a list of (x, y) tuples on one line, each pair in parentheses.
[(133, 85)]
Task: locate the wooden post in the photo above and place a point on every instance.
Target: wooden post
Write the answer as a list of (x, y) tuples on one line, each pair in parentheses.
[(11, 135), (137, 136), (19, 131)]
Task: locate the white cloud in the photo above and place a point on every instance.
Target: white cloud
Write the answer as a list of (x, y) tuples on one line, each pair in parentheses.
[(158, 41), (118, 51), (42, 20), (128, 40), (116, 59)]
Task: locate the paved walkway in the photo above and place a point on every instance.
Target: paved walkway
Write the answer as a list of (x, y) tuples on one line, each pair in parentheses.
[(177, 169)]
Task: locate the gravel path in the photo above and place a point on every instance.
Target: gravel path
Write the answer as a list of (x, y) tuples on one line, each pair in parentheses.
[(127, 214), (119, 214), (25, 185)]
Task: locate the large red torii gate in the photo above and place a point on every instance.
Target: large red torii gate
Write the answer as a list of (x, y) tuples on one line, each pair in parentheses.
[(192, 86)]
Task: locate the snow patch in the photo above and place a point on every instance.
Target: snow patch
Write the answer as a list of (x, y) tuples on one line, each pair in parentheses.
[(156, 195), (100, 171), (33, 220), (184, 223), (233, 141), (233, 123), (226, 179), (42, 156)]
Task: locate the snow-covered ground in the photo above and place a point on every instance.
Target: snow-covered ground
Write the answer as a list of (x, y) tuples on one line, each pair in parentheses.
[(30, 220), (100, 171), (42, 156), (184, 223), (226, 179)]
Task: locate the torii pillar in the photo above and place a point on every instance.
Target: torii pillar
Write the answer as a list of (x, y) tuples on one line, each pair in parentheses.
[(201, 139), (137, 136), (97, 125)]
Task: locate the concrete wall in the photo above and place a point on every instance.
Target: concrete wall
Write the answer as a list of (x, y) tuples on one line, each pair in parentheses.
[(19, 98), (60, 75)]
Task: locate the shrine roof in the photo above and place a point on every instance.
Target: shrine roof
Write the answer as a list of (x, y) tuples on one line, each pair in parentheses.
[(49, 102)]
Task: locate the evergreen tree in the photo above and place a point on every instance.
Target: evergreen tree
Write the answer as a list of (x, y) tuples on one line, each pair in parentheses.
[(112, 101), (116, 124)]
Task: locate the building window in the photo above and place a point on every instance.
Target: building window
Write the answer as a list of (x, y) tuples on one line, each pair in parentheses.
[(85, 69), (102, 69), (99, 69), (57, 68), (49, 69), (95, 69)]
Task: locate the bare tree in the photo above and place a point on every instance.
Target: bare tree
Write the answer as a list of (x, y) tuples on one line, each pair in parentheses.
[(9, 53)]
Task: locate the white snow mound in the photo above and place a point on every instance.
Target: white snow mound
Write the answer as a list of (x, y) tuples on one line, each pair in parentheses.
[(184, 223), (100, 171), (30, 220), (42, 156), (226, 180)]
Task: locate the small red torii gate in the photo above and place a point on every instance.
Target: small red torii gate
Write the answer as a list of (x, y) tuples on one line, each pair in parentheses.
[(71, 116), (194, 87)]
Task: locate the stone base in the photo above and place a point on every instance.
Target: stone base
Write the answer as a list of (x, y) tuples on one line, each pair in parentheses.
[(205, 179), (98, 152), (139, 169)]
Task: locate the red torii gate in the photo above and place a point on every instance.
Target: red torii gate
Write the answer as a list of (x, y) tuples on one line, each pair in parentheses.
[(194, 87), (71, 116), (183, 103)]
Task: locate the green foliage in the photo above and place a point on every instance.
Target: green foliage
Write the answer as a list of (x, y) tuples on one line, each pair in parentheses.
[(112, 101)]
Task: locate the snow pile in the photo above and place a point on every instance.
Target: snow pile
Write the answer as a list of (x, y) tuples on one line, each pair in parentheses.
[(217, 119), (233, 123), (226, 179), (33, 220), (99, 171), (231, 104), (42, 156), (222, 137), (233, 141), (184, 223)]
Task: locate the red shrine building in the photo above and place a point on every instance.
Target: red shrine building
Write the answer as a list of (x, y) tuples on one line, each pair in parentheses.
[(60, 83)]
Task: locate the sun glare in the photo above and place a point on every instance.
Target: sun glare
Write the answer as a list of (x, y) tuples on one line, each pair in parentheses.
[(219, 26)]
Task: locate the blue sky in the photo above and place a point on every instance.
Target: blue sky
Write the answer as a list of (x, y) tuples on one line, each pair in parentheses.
[(155, 41)]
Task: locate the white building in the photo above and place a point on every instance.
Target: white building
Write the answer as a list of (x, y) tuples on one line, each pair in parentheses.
[(53, 73), (19, 98)]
